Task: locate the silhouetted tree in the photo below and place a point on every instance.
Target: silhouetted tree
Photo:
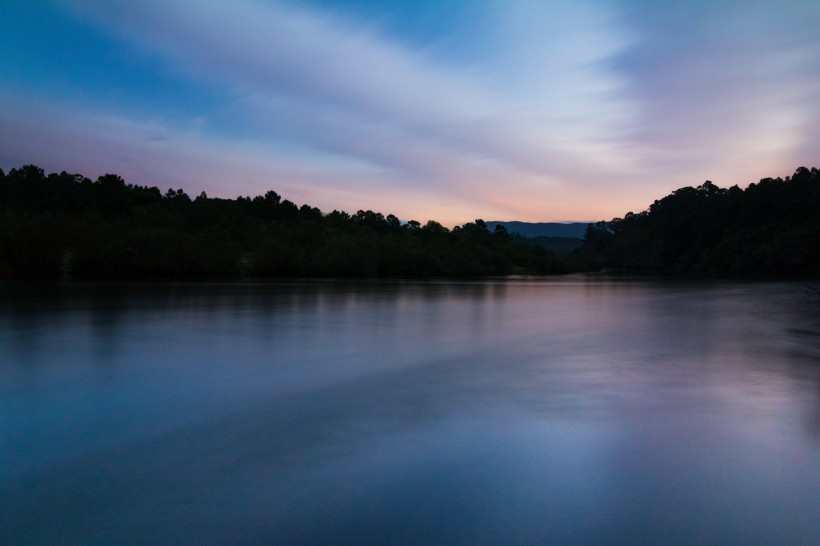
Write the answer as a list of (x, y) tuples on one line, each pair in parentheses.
[(65, 224), (770, 229)]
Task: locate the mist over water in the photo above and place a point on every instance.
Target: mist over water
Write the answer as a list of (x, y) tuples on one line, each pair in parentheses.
[(586, 409)]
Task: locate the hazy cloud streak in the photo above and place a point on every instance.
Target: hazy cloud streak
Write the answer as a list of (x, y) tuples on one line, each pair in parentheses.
[(559, 111)]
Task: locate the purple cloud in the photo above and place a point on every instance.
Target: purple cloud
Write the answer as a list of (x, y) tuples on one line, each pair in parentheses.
[(572, 110)]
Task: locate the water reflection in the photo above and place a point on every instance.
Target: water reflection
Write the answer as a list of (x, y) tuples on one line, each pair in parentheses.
[(583, 409)]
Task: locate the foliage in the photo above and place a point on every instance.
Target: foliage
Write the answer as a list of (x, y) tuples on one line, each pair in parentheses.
[(66, 224), (771, 229)]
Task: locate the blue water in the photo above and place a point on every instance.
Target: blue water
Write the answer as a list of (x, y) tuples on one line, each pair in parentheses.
[(583, 409)]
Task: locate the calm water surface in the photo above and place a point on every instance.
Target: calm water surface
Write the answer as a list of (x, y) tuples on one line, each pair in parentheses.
[(585, 409)]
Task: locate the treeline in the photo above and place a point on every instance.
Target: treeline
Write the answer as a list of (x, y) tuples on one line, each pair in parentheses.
[(770, 229), (68, 225)]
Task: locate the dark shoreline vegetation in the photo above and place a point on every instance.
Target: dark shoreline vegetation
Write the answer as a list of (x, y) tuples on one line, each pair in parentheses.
[(769, 230), (66, 225)]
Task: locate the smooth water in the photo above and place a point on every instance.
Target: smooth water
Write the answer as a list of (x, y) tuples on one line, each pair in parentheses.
[(585, 409)]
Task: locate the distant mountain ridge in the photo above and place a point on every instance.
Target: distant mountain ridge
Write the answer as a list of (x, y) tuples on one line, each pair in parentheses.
[(573, 230)]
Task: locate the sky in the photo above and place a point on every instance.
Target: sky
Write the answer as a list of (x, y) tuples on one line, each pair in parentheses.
[(427, 109)]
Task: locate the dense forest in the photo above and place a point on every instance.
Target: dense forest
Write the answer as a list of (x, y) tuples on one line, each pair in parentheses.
[(68, 225), (770, 229)]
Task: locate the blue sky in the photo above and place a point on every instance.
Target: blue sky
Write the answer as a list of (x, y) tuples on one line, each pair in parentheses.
[(447, 110)]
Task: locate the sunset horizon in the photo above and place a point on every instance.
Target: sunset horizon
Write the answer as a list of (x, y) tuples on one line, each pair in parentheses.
[(449, 111)]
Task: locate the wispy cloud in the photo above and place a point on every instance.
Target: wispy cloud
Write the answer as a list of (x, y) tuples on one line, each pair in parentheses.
[(550, 112), (726, 89), (304, 80)]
